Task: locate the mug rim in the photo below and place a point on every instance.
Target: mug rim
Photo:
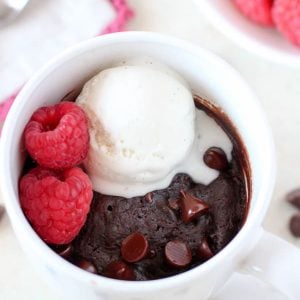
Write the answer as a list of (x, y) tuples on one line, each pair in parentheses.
[(20, 223)]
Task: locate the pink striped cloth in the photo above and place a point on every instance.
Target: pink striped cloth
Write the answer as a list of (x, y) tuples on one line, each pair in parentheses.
[(123, 14)]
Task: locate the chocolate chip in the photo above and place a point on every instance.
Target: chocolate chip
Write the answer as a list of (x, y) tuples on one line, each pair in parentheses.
[(119, 270), (152, 253), (204, 252), (294, 198), (178, 254), (295, 225), (148, 197), (134, 248), (174, 203), (86, 265), (2, 211), (191, 207), (215, 158)]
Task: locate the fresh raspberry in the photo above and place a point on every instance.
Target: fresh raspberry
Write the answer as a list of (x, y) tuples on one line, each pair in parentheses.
[(258, 11), (57, 136), (56, 202), (286, 15)]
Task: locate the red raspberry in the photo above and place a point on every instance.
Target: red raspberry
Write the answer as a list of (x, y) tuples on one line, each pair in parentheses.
[(57, 136), (56, 203), (258, 11), (286, 15)]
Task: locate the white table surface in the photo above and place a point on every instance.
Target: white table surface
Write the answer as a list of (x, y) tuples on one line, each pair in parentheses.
[(277, 87)]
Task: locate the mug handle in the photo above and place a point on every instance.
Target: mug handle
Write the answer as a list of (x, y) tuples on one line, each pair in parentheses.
[(276, 262)]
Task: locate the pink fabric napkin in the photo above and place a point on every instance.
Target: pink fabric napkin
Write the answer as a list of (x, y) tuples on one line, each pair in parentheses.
[(46, 28)]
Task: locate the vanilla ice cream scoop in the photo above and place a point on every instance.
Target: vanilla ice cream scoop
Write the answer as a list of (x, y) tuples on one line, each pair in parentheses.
[(142, 127)]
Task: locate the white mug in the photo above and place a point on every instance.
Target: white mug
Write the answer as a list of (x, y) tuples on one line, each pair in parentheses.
[(252, 250)]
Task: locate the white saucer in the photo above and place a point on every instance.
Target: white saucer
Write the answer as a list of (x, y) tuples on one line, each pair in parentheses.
[(246, 287)]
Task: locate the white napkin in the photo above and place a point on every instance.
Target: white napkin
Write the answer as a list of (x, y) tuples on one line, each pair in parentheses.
[(44, 29)]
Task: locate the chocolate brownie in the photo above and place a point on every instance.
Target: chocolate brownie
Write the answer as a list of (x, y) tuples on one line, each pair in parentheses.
[(165, 216)]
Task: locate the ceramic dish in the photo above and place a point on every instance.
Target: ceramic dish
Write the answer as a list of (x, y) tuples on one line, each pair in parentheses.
[(266, 42)]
